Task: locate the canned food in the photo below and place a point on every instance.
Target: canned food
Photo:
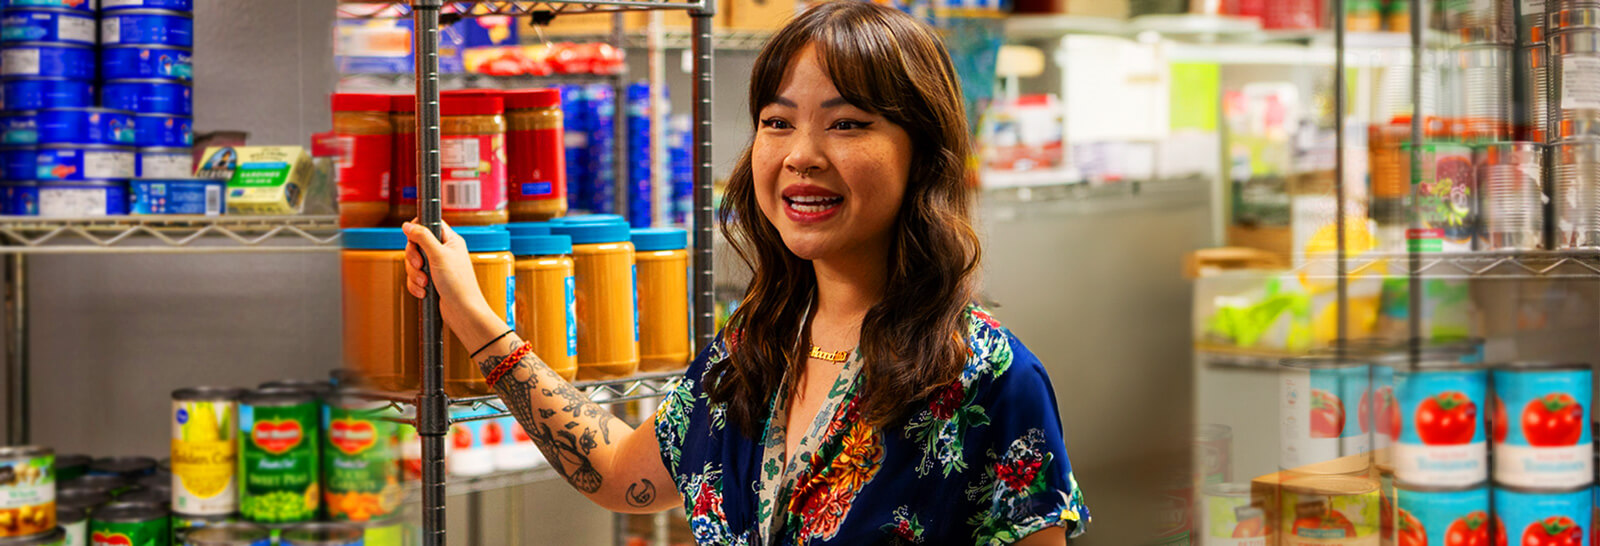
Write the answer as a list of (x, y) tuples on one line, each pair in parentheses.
[(176, 196), (147, 27), (174, 5), (146, 61), (27, 490), (315, 387), (19, 198), (1485, 22), (1511, 177), (183, 524), (165, 131), (160, 481), (54, 537), (1446, 197), (1315, 423), (1563, 16), (1486, 87), (1543, 517), (278, 456), (19, 162), (1533, 94), (110, 486), (85, 126), (1574, 75), (130, 468), (87, 162), (1429, 515), (68, 496), (229, 534), (387, 532), (29, 93), (205, 452), (165, 163), (361, 468), (69, 467), (47, 26), (1213, 447), (45, 59), (1531, 20), (86, 6), (1541, 425), (322, 534), (1327, 510), (81, 198), (1575, 193), (149, 96), (130, 525), (1229, 518), (19, 128), (147, 497), (1382, 411), (1442, 441), (73, 521)]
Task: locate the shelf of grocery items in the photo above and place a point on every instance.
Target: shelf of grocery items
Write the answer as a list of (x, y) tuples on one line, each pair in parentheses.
[(679, 38), (456, 485), (479, 8), (1237, 358), (168, 234), (472, 81), (1491, 264)]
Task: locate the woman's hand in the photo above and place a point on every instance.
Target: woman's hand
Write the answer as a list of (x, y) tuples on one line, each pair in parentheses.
[(461, 302)]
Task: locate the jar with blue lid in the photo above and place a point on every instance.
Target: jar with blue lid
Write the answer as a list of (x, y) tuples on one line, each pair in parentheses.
[(608, 323), (517, 229), (381, 318), (662, 255), (546, 293), (489, 248)]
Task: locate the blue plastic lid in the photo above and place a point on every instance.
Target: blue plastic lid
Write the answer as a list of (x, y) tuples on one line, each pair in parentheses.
[(540, 245), (593, 232), (589, 219), (373, 239), (653, 239), (485, 238), (528, 228)]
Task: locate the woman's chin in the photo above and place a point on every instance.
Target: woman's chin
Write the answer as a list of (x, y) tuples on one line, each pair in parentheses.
[(808, 247)]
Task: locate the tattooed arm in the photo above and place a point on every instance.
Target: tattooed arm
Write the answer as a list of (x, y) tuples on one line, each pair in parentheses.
[(616, 466)]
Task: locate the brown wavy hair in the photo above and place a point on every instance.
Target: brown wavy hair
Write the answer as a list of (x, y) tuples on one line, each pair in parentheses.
[(913, 341)]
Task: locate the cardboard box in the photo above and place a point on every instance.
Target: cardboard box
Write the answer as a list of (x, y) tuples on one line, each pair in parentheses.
[(262, 180), (758, 14)]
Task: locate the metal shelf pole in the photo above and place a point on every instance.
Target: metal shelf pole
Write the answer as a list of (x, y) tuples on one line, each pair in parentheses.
[(705, 320), (432, 421), (621, 182), (16, 274)]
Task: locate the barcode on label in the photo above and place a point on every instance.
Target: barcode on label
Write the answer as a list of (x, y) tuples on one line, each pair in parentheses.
[(462, 194), (213, 200)]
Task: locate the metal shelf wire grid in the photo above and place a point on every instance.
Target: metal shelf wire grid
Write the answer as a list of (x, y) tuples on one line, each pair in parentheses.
[(465, 485), (608, 391), (1493, 265), (168, 234)]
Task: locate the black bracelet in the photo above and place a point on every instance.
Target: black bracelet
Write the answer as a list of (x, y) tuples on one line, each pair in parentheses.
[(491, 342)]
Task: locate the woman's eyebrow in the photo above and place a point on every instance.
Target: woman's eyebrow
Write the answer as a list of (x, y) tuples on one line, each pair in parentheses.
[(830, 103)]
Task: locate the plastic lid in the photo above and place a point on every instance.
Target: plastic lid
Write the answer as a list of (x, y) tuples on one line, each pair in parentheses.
[(589, 218), (653, 239), (592, 232), (532, 98), (374, 239), (471, 105), (485, 238), (403, 103), (540, 245), (358, 102), (528, 228)]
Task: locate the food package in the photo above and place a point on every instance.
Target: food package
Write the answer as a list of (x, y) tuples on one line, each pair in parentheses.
[(262, 180)]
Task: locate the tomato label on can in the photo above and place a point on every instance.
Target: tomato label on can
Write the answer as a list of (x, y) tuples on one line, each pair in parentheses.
[(1442, 441), (1442, 517), (1538, 518), (153, 532), (1355, 389), (1311, 415), (362, 464), (27, 495), (1331, 520), (1540, 424), (1380, 410), (278, 462), (205, 457)]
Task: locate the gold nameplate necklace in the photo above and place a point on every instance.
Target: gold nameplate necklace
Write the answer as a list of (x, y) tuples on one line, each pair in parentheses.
[(819, 354)]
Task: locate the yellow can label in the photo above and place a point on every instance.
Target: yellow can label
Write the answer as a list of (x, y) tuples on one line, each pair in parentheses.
[(205, 457)]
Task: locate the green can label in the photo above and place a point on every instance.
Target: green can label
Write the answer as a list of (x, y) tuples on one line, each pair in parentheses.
[(278, 463), (361, 468), (142, 533)]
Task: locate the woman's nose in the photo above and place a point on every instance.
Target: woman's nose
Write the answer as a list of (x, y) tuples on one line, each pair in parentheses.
[(805, 157)]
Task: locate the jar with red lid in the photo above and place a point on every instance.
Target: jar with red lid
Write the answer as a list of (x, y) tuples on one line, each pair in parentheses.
[(472, 158), (536, 159), (364, 133), (403, 185)]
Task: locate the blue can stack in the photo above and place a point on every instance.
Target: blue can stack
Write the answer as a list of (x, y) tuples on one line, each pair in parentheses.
[(680, 166), (147, 67), (640, 199), (589, 112)]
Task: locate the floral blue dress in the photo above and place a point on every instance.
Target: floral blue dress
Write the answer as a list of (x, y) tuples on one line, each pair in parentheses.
[(981, 462)]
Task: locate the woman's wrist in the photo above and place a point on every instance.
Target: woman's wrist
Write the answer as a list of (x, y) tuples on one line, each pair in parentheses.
[(478, 326)]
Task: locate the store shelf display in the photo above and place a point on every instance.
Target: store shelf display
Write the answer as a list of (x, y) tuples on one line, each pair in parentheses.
[(168, 234)]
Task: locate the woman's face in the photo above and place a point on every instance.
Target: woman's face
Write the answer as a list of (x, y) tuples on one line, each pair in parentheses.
[(828, 175)]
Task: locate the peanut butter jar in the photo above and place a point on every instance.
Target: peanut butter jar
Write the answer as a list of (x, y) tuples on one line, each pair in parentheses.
[(381, 319), (536, 157), (493, 265), (364, 131), (608, 320), (546, 294), (662, 256)]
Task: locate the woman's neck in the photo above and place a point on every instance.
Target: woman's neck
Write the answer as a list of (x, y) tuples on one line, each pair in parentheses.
[(847, 288)]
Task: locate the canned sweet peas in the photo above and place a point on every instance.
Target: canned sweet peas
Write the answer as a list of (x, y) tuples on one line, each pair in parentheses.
[(1530, 517), (1540, 419), (1442, 441), (1434, 516)]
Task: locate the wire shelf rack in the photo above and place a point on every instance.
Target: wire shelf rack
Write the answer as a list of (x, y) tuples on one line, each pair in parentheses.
[(456, 485), (168, 234), (1492, 265), (608, 391)]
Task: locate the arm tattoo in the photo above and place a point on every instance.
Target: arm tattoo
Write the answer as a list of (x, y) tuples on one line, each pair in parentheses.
[(567, 436), (641, 493)]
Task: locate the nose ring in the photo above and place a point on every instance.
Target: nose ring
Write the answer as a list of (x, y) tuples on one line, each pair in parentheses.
[(805, 173)]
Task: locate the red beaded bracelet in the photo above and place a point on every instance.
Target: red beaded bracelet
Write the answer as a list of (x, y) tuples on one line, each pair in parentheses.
[(508, 363)]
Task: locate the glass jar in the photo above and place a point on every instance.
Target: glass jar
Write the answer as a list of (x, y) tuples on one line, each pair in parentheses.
[(545, 294), (608, 319), (662, 256), (492, 263), (472, 159), (536, 155), (403, 185), (363, 130), (381, 320)]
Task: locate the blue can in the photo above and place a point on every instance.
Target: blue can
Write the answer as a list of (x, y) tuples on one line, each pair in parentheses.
[(47, 25), (147, 27), (86, 126), (20, 162), (1436, 513), (165, 163), (19, 128), (136, 62), (19, 198), (149, 96), (1540, 423), (88, 162), (51, 60), (177, 196), (165, 131), (84, 6), (37, 93), (1543, 517), (1442, 438), (80, 198), (174, 5)]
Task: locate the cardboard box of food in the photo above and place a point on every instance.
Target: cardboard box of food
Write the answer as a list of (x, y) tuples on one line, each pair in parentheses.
[(262, 180)]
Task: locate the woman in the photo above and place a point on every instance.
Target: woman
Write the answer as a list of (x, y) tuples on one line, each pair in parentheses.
[(856, 397)]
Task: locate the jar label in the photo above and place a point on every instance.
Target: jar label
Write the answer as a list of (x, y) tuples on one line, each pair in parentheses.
[(539, 172), (364, 167), (511, 301), (473, 173), (572, 316), (359, 465), (205, 456), (278, 462)]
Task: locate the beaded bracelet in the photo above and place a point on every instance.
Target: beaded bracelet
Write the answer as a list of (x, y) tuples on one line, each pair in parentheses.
[(507, 364)]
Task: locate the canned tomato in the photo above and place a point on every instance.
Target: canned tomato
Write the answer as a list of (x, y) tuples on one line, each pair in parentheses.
[(54, 537), (1380, 413), (146, 61), (229, 534), (176, 196), (85, 126), (147, 27), (1530, 517), (1315, 424), (82, 198), (165, 163), (182, 525), (28, 93), (1442, 516), (85, 162), (361, 468), (135, 525), (44, 59), (149, 96), (321, 534), (278, 456), (1541, 425), (19, 128), (86, 6), (27, 490), (205, 450), (165, 131), (47, 26), (1442, 441), (174, 5), (1329, 510), (1229, 518)]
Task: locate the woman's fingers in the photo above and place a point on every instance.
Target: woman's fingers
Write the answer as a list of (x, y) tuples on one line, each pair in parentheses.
[(421, 237)]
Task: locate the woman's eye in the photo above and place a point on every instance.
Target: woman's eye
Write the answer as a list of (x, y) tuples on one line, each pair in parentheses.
[(774, 123), (847, 125)]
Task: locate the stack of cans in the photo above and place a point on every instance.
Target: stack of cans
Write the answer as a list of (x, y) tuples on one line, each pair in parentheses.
[(589, 113), (146, 50), (641, 200), (1573, 98), (680, 165)]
